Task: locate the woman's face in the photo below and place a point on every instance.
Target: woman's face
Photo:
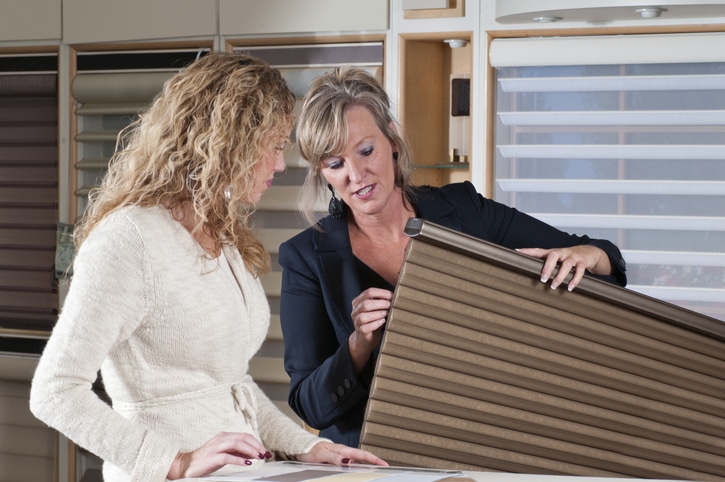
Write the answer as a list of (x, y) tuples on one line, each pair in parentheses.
[(273, 161), (364, 174)]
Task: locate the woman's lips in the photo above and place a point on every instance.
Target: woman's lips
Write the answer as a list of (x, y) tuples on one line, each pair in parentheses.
[(365, 192)]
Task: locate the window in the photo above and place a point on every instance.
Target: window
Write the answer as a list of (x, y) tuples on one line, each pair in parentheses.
[(611, 139)]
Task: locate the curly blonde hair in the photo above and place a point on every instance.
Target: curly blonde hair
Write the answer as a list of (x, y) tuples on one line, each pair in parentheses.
[(208, 129)]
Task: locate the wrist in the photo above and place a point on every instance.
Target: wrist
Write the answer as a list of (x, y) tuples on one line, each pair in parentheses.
[(178, 467), (359, 354)]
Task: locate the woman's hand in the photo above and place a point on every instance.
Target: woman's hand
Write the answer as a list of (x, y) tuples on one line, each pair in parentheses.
[(578, 258), (337, 454), (223, 449), (369, 313)]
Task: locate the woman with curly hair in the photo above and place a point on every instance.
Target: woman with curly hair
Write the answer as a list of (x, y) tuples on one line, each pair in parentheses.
[(166, 299)]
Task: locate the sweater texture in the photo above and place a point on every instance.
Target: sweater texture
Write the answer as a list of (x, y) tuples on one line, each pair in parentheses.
[(172, 334)]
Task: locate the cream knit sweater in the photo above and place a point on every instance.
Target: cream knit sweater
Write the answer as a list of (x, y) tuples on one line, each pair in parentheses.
[(173, 333)]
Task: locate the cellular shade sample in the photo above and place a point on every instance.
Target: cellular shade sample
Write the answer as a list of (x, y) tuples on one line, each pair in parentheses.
[(483, 367)]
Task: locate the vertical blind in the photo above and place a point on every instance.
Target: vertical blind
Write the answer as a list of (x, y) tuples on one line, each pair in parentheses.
[(628, 147), (28, 197)]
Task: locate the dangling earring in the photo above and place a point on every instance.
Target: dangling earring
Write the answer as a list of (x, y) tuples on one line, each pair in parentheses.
[(335, 206), (228, 193)]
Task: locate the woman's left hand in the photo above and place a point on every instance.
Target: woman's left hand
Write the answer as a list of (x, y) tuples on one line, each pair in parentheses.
[(338, 454), (577, 258)]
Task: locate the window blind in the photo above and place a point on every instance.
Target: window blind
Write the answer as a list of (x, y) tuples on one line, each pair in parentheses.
[(627, 146), (28, 198), (109, 90), (483, 367)]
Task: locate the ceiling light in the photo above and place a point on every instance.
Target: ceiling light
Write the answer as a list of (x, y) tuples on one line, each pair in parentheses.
[(456, 43), (651, 12), (547, 19)]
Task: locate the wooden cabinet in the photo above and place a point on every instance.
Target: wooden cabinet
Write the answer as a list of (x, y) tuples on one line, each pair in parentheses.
[(428, 68)]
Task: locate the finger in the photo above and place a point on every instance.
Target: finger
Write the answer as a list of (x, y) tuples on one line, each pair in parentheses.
[(564, 269), (549, 266), (243, 444), (578, 275)]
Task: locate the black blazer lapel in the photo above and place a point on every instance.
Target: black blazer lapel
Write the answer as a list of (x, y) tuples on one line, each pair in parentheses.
[(340, 281)]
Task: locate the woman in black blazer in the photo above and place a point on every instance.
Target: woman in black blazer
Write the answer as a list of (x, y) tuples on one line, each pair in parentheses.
[(339, 274)]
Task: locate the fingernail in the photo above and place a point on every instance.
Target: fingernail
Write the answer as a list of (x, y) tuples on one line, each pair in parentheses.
[(267, 455), (247, 462), (345, 461), (260, 455), (554, 285), (544, 279)]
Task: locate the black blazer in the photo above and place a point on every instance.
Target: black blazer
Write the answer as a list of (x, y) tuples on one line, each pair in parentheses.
[(320, 280)]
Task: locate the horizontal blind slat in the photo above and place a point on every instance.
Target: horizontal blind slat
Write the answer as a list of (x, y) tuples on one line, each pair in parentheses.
[(651, 118), (606, 186), (613, 151)]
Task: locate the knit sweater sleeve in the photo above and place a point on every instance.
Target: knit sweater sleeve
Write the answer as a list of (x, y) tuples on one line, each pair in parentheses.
[(279, 432), (111, 294)]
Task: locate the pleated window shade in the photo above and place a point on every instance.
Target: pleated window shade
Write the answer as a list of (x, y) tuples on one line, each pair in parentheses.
[(621, 137), (483, 367), (28, 198)]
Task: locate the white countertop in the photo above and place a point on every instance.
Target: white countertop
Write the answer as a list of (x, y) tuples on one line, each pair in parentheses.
[(298, 472)]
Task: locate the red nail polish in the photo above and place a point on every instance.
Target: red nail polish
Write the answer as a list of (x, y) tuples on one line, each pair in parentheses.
[(267, 455), (345, 461), (247, 462)]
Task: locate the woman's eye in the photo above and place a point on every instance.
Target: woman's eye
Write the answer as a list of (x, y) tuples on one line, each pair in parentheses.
[(366, 152), (334, 164)]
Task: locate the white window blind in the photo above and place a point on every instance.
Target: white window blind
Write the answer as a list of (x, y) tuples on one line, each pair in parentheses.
[(109, 90), (627, 145)]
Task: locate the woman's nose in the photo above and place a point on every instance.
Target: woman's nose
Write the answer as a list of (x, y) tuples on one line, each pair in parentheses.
[(355, 172), (279, 164)]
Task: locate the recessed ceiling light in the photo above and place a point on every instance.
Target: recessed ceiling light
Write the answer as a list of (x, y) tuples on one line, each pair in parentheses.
[(455, 43), (650, 12), (547, 19)]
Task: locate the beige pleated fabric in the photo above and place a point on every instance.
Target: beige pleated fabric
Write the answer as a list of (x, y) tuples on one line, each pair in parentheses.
[(483, 367)]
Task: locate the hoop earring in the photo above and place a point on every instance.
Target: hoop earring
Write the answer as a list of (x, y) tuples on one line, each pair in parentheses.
[(335, 206)]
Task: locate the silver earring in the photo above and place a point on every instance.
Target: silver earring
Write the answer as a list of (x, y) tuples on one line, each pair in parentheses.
[(228, 192)]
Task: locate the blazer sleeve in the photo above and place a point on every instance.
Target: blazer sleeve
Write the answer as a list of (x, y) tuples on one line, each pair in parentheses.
[(323, 385), (511, 228)]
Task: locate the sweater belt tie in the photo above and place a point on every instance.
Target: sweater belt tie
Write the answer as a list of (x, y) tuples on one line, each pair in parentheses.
[(245, 401)]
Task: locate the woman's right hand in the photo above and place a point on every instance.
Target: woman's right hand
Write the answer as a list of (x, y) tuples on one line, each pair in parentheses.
[(369, 312), (225, 448)]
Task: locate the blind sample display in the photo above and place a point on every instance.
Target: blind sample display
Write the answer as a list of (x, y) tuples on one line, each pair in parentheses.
[(28, 199), (483, 367), (630, 152)]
